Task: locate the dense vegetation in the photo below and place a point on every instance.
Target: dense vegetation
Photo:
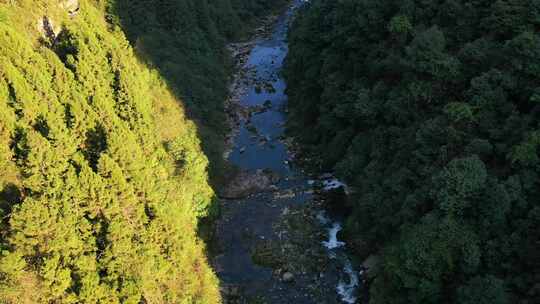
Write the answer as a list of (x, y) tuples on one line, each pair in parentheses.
[(102, 178), (185, 40), (430, 110)]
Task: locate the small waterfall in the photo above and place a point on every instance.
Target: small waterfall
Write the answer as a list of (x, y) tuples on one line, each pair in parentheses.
[(349, 283), (333, 241)]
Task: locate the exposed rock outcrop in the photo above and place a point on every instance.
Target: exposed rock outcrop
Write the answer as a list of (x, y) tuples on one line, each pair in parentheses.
[(49, 28), (71, 6)]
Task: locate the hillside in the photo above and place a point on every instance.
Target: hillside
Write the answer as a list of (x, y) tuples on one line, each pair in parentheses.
[(184, 40), (102, 175), (429, 111)]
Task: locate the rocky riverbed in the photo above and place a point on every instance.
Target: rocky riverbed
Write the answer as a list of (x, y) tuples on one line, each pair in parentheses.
[(272, 245)]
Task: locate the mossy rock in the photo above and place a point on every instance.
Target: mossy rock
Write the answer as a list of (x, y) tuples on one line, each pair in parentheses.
[(267, 254)]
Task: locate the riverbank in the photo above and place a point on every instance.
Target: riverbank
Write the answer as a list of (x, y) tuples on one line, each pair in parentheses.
[(234, 112), (269, 237)]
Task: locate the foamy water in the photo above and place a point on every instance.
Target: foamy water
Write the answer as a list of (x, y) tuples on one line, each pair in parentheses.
[(349, 283), (347, 290), (333, 241)]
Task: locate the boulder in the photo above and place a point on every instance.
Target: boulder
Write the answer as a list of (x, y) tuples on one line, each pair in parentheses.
[(246, 183), (287, 194), (287, 277)]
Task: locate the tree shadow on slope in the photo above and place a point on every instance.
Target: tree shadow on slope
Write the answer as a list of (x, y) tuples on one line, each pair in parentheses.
[(178, 39), (185, 41)]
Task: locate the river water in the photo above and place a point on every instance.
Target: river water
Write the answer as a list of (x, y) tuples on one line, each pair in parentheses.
[(246, 222)]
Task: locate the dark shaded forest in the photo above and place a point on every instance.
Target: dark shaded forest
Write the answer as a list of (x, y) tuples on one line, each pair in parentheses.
[(430, 111)]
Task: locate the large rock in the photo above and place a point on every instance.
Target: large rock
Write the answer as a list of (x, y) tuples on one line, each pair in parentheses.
[(371, 266), (287, 194), (48, 29), (287, 277), (71, 6), (246, 183)]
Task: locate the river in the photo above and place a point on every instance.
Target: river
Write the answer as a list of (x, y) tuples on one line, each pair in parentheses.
[(326, 274)]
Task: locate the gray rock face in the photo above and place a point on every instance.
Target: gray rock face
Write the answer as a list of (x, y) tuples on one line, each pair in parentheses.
[(48, 28), (246, 183), (71, 6)]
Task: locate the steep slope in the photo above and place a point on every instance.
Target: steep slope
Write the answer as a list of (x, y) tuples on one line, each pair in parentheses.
[(102, 177), (429, 110), (184, 40)]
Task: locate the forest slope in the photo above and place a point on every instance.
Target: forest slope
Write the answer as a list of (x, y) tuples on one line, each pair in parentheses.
[(430, 111), (102, 175), (185, 41)]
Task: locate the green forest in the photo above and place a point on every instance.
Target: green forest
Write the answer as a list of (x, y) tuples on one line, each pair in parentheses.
[(430, 110), (112, 128), (102, 173)]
